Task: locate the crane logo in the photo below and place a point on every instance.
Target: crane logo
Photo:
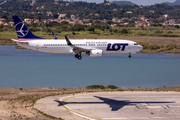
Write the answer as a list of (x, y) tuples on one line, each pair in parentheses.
[(21, 29)]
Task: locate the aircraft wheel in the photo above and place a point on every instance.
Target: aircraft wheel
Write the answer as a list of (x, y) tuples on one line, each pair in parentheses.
[(76, 56), (129, 55), (80, 57)]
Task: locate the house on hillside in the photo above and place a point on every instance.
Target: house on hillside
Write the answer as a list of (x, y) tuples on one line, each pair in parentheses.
[(2, 21), (49, 13), (141, 17), (73, 17), (62, 16), (86, 20), (115, 19)]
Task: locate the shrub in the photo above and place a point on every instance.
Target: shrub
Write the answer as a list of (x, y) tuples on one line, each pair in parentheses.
[(34, 29), (112, 86), (141, 33), (90, 28), (171, 46), (154, 47), (158, 32), (95, 87), (20, 88), (169, 32), (124, 31), (48, 30), (120, 90), (58, 30)]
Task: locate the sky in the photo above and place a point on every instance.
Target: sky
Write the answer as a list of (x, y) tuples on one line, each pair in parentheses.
[(138, 2)]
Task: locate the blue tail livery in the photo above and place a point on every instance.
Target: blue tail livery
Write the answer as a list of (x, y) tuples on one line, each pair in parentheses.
[(55, 37), (22, 30)]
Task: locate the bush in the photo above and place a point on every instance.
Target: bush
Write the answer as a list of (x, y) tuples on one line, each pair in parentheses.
[(158, 32), (34, 29), (171, 46), (78, 27), (58, 30), (169, 35), (154, 47), (47, 30), (169, 32), (95, 87), (20, 88), (1, 30), (112, 87), (73, 33), (90, 28), (141, 33), (124, 31)]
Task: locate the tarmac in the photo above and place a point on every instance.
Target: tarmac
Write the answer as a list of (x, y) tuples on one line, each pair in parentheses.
[(113, 106)]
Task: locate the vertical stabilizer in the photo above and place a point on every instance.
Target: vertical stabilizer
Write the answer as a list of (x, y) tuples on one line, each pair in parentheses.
[(22, 30), (55, 37)]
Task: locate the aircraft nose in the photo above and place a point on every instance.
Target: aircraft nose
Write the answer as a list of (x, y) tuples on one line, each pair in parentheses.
[(141, 47)]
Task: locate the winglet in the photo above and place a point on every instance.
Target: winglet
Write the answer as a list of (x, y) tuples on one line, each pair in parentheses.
[(68, 42), (55, 37)]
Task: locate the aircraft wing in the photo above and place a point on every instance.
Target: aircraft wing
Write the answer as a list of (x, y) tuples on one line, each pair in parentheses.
[(75, 48)]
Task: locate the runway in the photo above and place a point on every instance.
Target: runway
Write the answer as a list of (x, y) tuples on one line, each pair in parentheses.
[(113, 106)]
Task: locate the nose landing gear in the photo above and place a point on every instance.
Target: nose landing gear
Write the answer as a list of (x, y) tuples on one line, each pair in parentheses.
[(78, 56), (129, 55)]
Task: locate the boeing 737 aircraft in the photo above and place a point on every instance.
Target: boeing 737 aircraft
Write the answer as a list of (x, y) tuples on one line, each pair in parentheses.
[(91, 47)]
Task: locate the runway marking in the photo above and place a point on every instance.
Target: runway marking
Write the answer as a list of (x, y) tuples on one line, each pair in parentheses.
[(79, 114), (63, 99), (143, 118)]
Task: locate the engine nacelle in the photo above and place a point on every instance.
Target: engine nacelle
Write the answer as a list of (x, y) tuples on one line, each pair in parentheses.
[(96, 53)]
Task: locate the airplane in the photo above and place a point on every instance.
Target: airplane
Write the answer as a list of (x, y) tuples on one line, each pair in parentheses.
[(91, 47)]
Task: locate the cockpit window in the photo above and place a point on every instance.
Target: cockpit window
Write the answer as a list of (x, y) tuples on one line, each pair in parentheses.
[(135, 44)]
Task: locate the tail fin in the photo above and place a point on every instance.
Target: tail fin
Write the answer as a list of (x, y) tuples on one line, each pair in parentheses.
[(22, 30), (55, 37)]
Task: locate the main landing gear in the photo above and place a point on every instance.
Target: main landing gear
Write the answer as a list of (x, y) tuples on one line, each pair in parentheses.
[(78, 56), (129, 55)]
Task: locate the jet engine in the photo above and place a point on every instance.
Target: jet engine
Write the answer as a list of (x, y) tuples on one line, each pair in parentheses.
[(95, 53)]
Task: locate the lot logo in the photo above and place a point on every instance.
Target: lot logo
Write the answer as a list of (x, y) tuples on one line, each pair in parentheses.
[(21, 29), (116, 47)]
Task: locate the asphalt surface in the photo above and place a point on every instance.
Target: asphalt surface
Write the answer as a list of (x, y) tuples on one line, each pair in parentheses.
[(113, 106)]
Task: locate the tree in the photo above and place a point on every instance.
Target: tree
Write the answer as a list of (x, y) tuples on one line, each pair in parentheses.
[(124, 31), (78, 27), (90, 28)]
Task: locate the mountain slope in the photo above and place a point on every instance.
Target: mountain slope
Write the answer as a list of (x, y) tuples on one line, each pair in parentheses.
[(123, 2), (177, 2)]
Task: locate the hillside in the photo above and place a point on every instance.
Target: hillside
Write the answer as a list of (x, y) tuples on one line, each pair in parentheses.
[(177, 2), (50, 9), (123, 2)]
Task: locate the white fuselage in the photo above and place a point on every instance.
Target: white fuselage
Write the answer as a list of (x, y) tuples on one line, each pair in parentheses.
[(60, 46)]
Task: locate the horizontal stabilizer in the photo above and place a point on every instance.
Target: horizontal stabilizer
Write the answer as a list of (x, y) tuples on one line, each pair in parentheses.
[(15, 40)]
